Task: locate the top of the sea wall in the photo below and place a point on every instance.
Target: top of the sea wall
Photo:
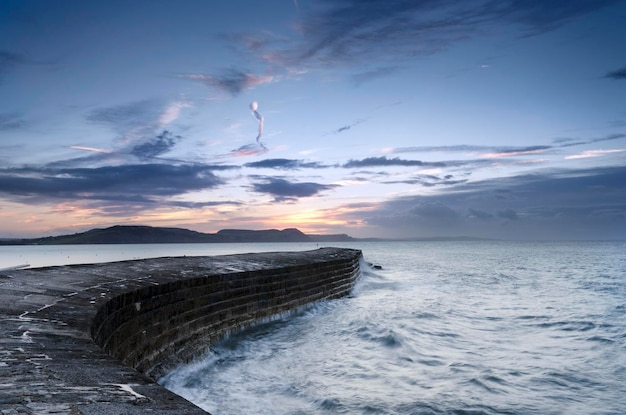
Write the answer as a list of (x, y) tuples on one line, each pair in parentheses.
[(49, 362)]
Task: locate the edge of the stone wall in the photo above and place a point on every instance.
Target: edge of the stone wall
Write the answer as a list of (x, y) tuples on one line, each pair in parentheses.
[(49, 362)]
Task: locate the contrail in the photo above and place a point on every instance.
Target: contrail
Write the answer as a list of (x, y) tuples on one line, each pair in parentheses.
[(253, 107), (95, 150), (101, 150)]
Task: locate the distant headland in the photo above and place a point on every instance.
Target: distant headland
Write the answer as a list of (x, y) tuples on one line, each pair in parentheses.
[(126, 234), (154, 235)]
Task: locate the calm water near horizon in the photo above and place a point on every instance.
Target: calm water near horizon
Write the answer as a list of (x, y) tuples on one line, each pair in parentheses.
[(443, 328), (52, 255)]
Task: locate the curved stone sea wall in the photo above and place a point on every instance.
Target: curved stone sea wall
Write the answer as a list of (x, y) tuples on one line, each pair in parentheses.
[(92, 338)]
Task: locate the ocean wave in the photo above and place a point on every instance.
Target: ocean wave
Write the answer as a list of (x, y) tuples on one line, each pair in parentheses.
[(467, 329)]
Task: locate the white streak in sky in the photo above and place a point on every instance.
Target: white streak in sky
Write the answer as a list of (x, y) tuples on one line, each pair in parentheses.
[(593, 153), (96, 150), (253, 107)]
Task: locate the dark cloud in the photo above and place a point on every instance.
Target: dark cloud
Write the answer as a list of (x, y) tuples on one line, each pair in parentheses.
[(142, 182), (161, 144), (549, 204), (384, 161), (349, 30), (285, 164), (231, 81), (284, 190), (120, 206), (200, 205), (618, 74), (434, 211), (428, 180), (11, 121)]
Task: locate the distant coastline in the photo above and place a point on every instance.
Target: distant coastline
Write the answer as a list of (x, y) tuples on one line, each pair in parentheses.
[(154, 235), (121, 234)]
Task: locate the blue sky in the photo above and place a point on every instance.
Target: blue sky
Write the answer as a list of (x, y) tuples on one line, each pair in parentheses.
[(498, 119)]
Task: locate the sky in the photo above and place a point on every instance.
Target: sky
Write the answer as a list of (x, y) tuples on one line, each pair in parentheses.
[(374, 118)]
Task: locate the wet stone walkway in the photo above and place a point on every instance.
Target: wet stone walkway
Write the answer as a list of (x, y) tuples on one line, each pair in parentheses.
[(49, 362)]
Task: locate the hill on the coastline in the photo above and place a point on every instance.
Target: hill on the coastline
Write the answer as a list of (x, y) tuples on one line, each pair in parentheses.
[(151, 235)]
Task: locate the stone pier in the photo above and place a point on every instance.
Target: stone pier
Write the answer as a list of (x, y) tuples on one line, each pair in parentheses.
[(92, 339)]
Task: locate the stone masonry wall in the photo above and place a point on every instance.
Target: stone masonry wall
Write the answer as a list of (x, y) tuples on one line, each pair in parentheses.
[(156, 327)]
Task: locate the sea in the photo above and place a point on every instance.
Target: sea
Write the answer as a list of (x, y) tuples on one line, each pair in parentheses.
[(472, 328)]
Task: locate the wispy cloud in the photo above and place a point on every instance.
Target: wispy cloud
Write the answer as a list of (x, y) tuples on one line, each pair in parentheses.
[(372, 74), (384, 161), (353, 30), (506, 151), (172, 112), (287, 191), (248, 150), (594, 153), (461, 148), (285, 164), (231, 81), (11, 121), (377, 38), (523, 151), (572, 142), (139, 126), (149, 149), (609, 137), (349, 126), (618, 74), (436, 149), (131, 121)]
